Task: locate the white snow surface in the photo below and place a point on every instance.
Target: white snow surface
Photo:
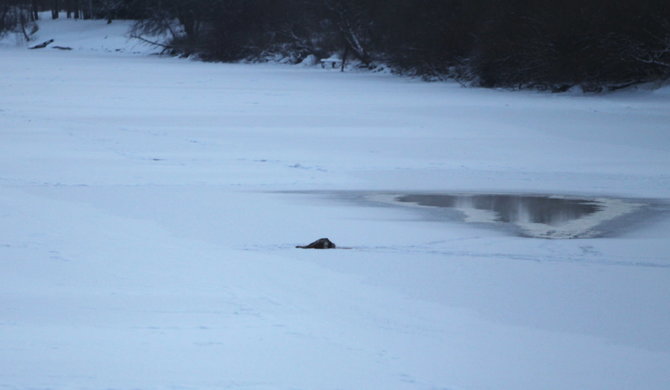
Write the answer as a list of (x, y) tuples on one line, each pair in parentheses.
[(150, 209)]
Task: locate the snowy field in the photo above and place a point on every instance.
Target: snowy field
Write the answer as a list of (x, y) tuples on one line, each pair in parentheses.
[(150, 207)]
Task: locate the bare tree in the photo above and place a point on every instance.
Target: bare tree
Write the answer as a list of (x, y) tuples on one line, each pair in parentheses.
[(355, 26), (18, 16), (55, 9)]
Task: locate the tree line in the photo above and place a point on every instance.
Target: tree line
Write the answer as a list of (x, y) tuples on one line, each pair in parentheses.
[(544, 44)]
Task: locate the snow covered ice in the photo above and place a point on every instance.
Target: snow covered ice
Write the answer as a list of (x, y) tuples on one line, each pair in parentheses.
[(151, 207)]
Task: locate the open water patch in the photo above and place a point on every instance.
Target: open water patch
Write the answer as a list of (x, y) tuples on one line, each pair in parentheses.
[(538, 216)]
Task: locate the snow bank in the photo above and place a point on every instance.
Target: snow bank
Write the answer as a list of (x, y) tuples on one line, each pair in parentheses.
[(96, 36)]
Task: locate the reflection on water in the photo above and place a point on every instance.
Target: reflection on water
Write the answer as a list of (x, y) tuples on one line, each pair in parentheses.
[(513, 208), (533, 215)]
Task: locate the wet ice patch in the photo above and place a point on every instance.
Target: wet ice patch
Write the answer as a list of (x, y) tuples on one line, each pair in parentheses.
[(540, 216)]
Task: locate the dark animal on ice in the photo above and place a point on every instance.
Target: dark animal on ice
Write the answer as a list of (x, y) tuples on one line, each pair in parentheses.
[(321, 243)]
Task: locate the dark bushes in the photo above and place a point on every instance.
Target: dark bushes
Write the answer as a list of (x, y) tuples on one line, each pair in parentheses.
[(544, 44)]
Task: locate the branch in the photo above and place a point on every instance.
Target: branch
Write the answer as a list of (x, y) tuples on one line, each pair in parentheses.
[(141, 38)]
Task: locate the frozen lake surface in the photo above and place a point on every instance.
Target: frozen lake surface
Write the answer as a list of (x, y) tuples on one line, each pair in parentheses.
[(150, 209)]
